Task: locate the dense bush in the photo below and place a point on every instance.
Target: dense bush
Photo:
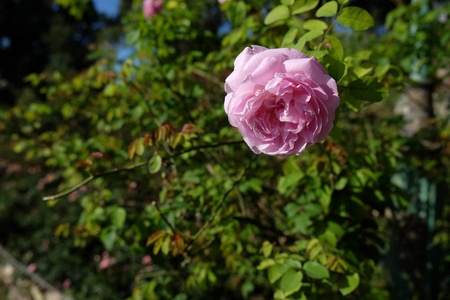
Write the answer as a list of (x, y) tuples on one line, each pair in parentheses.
[(157, 196)]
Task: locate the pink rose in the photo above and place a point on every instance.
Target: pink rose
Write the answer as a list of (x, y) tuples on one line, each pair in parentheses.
[(281, 100), (222, 1), (151, 8)]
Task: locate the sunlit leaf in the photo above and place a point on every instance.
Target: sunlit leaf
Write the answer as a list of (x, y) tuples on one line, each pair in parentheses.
[(280, 12), (315, 270), (291, 282), (329, 9), (349, 284), (301, 6), (356, 18)]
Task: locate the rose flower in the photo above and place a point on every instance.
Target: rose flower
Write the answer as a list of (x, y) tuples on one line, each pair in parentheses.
[(281, 100)]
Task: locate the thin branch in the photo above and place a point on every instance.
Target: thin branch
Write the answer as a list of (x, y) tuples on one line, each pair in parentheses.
[(163, 217), (208, 146), (208, 76), (221, 203), (157, 274), (92, 177), (129, 168), (326, 34)]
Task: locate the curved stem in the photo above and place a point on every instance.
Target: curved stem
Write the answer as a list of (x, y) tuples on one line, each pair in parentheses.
[(133, 167)]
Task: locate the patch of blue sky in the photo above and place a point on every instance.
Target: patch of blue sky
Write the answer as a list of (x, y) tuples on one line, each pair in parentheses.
[(110, 8)]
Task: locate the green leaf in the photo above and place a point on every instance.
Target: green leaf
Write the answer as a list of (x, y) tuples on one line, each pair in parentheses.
[(266, 248), (302, 297), (341, 183), (236, 13), (337, 70), (315, 270), (329, 9), (301, 6), (279, 295), (310, 35), (275, 272), (157, 246), (265, 264), (343, 2), (108, 237), (286, 183), (367, 89), (348, 285), (155, 237), (154, 164), (315, 25), (140, 148), (165, 248), (301, 222), (351, 102), (316, 54), (356, 18), (335, 48), (286, 2), (291, 282), (118, 216), (360, 71), (110, 90), (280, 12), (289, 37)]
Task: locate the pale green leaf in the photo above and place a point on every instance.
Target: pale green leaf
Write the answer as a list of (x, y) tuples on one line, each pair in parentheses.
[(265, 264), (289, 37), (316, 54), (329, 9), (350, 283), (154, 164), (335, 48), (361, 71), (140, 148), (315, 270), (315, 25), (291, 282), (301, 6), (280, 12), (108, 237), (155, 236), (286, 2), (266, 248), (278, 295), (165, 248), (356, 18), (275, 272), (341, 183), (118, 216), (236, 13)]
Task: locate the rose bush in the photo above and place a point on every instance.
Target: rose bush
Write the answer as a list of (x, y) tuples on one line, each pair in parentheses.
[(281, 100), (151, 8)]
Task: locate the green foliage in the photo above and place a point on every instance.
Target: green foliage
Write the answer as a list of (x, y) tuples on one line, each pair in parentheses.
[(146, 163), (356, 18)]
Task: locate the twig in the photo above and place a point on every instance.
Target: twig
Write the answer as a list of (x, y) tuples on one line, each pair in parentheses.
[(163, 217), (208, 76), (129, 168), (92, 177), (222, 201), (209, 146)]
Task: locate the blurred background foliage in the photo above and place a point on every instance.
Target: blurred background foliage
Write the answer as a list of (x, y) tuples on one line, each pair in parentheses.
[(161, 199)]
